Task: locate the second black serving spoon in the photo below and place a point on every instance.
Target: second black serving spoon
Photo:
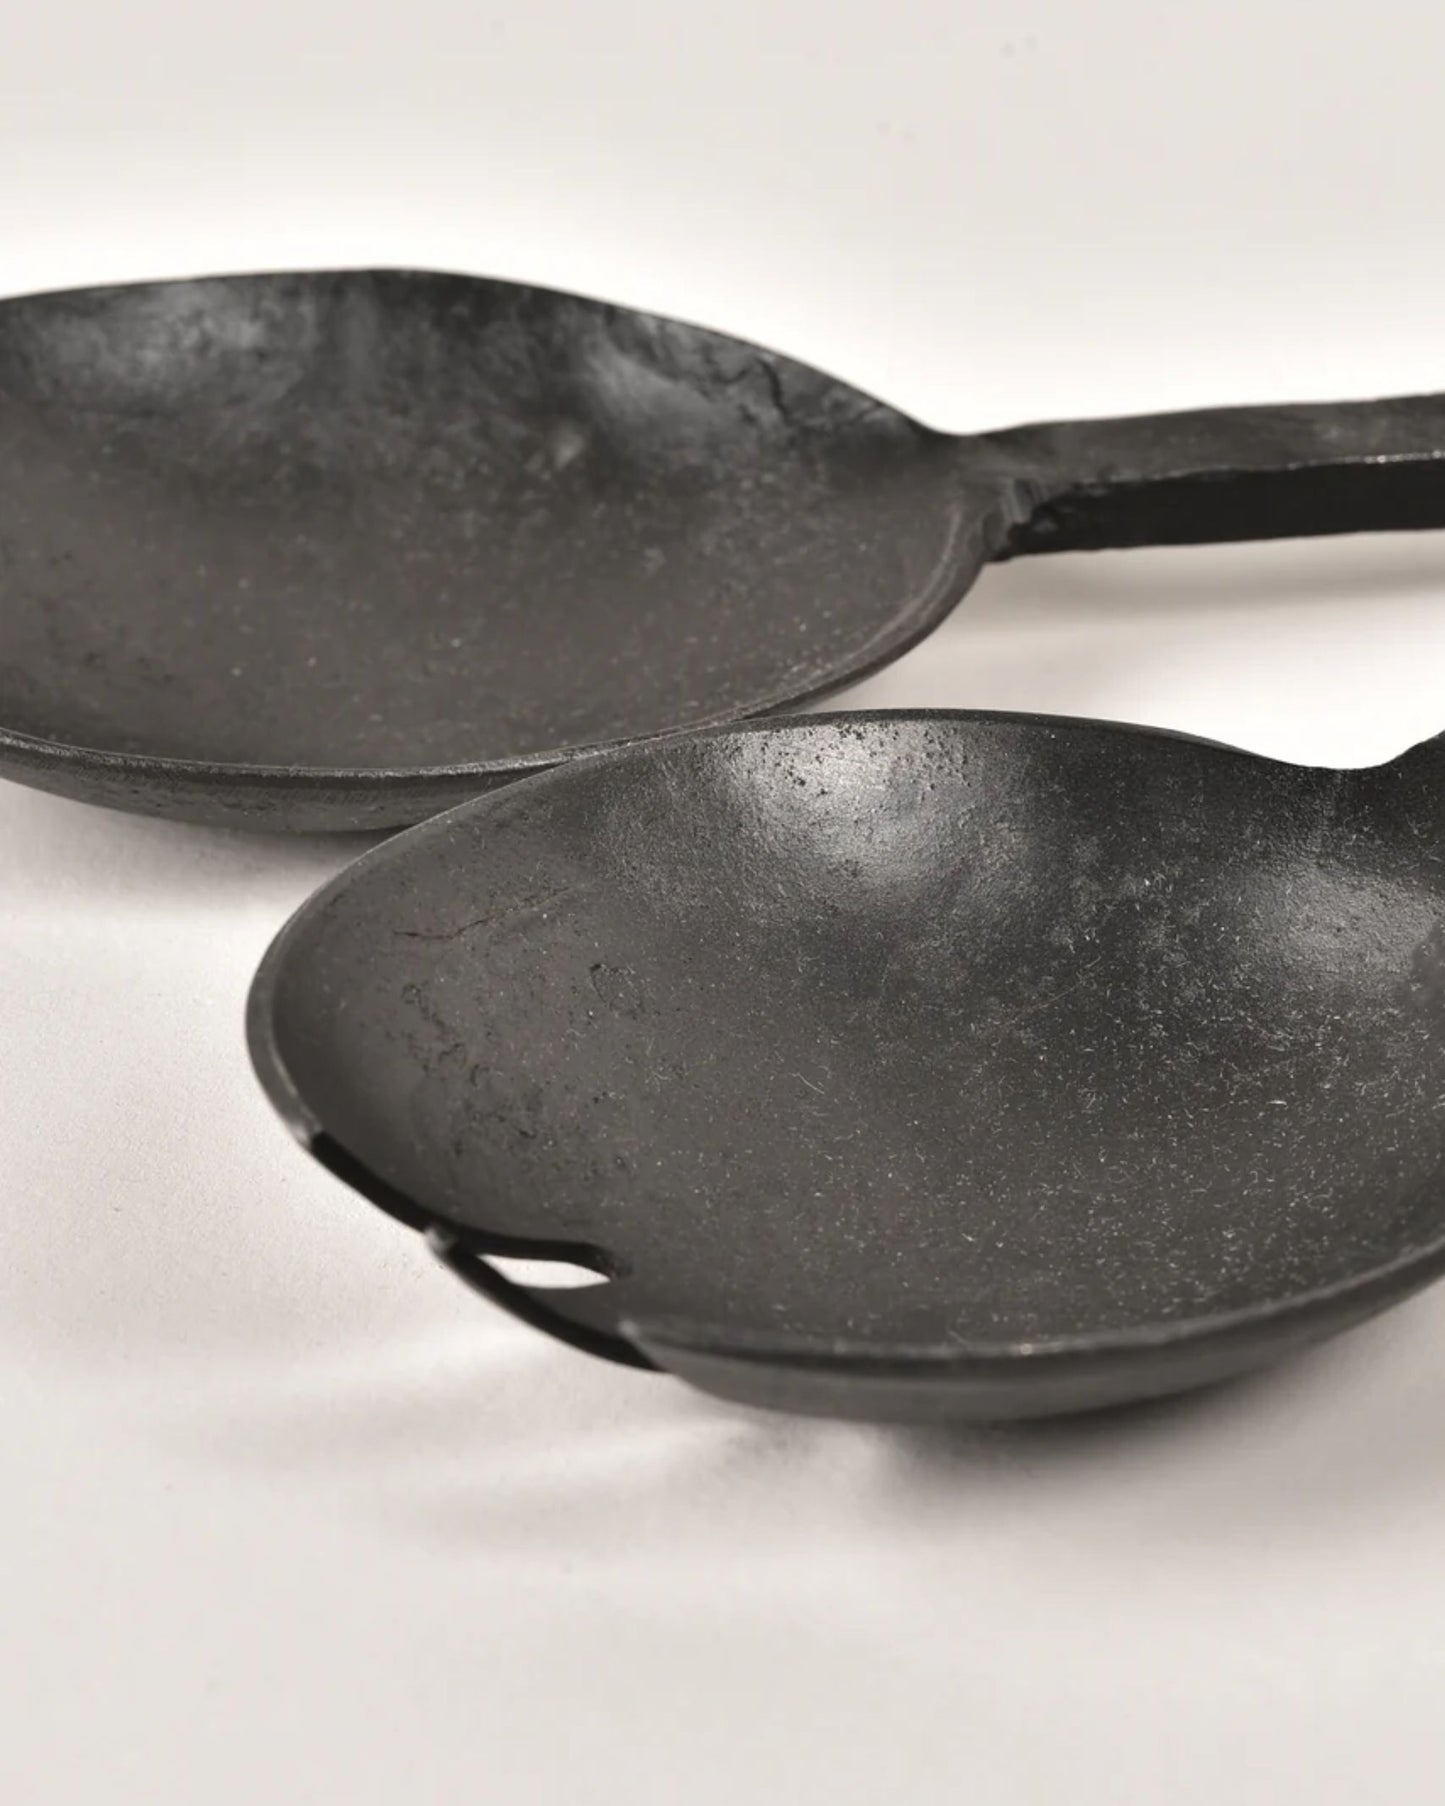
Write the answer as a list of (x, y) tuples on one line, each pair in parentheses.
[(338, 550), (900, 1065)]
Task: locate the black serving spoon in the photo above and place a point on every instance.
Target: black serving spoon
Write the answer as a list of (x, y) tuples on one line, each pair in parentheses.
[(901, 1065), (339, 550)]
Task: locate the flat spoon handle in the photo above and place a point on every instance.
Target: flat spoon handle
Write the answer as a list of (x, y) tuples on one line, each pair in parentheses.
[(1225, 474)]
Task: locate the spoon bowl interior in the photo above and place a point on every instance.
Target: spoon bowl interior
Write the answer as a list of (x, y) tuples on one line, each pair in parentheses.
[(337, 549)]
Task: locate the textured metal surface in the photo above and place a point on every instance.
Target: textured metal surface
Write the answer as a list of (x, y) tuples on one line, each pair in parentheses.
[(902, 1065), (340, 550)]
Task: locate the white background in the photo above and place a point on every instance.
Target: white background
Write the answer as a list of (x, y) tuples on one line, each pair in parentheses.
[(287, 1515)]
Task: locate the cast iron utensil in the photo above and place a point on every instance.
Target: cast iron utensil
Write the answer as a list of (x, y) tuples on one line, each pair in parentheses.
[(340, 550), (905, 1065)]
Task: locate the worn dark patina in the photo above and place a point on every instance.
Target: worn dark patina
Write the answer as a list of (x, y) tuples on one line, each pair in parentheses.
[(902, 1065), (339, 550)]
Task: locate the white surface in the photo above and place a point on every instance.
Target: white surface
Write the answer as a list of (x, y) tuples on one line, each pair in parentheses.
[(981, 210), (286, 1514)]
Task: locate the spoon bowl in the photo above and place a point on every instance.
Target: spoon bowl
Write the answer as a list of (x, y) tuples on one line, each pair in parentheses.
[(901, 1065)]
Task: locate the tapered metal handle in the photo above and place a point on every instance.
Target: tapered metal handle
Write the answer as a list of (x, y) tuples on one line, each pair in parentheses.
[(1227, 474)]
